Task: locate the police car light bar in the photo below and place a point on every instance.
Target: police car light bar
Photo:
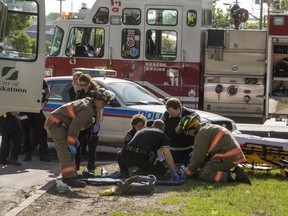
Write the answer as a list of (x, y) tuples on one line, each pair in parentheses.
[(94, 72)]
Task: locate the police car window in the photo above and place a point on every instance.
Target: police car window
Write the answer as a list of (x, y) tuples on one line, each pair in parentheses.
[(59, 90), (132, 93), (131, 16)]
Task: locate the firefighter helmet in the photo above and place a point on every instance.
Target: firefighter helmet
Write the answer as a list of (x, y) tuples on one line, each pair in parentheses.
[(103, 94), (188, 123)]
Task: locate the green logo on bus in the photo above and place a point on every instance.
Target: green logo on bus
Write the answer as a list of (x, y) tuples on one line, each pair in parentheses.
[(9, 73)]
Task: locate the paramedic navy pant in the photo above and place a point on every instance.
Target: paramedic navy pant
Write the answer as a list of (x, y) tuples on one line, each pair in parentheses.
[(127, 159)]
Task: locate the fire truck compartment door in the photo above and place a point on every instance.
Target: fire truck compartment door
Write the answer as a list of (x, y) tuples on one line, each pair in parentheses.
[(236, 64), (245, 40)]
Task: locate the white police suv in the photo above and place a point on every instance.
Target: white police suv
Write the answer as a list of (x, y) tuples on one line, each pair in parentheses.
[(131, 99)]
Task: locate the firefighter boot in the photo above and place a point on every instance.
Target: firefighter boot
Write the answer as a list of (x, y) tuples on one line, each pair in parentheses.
[(238, 175), (73, 182)]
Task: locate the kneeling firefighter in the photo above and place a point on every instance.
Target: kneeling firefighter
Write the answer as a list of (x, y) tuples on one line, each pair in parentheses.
[(216, 152), (64, 125)]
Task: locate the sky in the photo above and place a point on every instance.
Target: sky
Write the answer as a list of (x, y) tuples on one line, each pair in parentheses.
[(75, 5)]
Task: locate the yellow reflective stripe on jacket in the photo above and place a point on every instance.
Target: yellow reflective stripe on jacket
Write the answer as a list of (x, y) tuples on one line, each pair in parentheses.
[(71, 139), (70, 110), (68, 169), (216, 139), (230, 153), (237, 152)]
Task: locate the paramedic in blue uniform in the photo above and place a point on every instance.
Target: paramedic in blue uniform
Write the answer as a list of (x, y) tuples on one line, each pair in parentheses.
[(144, 150), (12, 138), (90, 135), (180, 145), (35, 122)]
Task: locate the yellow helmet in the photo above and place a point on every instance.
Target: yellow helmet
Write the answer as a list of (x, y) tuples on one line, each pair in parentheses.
[(188, 122)]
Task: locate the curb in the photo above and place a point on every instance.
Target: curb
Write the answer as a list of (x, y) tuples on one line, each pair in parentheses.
[(31, 199)]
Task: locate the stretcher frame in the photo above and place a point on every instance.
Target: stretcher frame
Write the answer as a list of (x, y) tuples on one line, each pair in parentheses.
[(265, 157)]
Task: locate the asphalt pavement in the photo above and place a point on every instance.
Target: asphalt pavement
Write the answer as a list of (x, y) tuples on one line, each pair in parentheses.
[(21, 185)]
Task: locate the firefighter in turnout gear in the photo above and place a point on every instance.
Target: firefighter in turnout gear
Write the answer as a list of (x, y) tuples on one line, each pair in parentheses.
[(216, 152), (64, 125)]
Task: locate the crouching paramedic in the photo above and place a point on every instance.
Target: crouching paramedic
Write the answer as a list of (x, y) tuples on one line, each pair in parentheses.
[(142, 151), (64, 125), (216, 152)]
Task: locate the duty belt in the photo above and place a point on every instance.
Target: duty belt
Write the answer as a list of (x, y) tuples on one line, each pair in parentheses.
[(136, 150)]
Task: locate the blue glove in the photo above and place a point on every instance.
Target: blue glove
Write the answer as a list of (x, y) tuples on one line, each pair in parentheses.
[(174, 177), (191, 155), (72, 149), (161, 157), (96, 128), (77, 143)]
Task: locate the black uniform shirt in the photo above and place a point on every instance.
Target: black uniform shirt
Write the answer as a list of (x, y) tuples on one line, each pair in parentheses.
[(149, 139), (82, 94), (130, 134), (177, 140)]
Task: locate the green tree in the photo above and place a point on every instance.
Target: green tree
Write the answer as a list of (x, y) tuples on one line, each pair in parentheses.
[(52, 17), (22, 42), (48, 47), (220, 19), (284, 5)]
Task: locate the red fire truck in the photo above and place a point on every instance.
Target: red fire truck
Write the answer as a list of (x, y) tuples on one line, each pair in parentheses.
[(169, 47)]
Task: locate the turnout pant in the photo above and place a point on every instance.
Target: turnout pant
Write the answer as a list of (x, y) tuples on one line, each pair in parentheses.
[(127, 159), (59, 136), (216, 170)]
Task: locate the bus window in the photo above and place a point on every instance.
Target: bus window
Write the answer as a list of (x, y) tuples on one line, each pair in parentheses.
[(130, 43), (191, 18), (57, 41), (86, 42), (162, 17), (101, 16), (131, 16), (161, 45), (20, 42), (3, 17)]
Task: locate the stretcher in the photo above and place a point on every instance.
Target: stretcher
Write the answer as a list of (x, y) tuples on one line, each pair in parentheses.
[(264, 153), (110, 181)]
